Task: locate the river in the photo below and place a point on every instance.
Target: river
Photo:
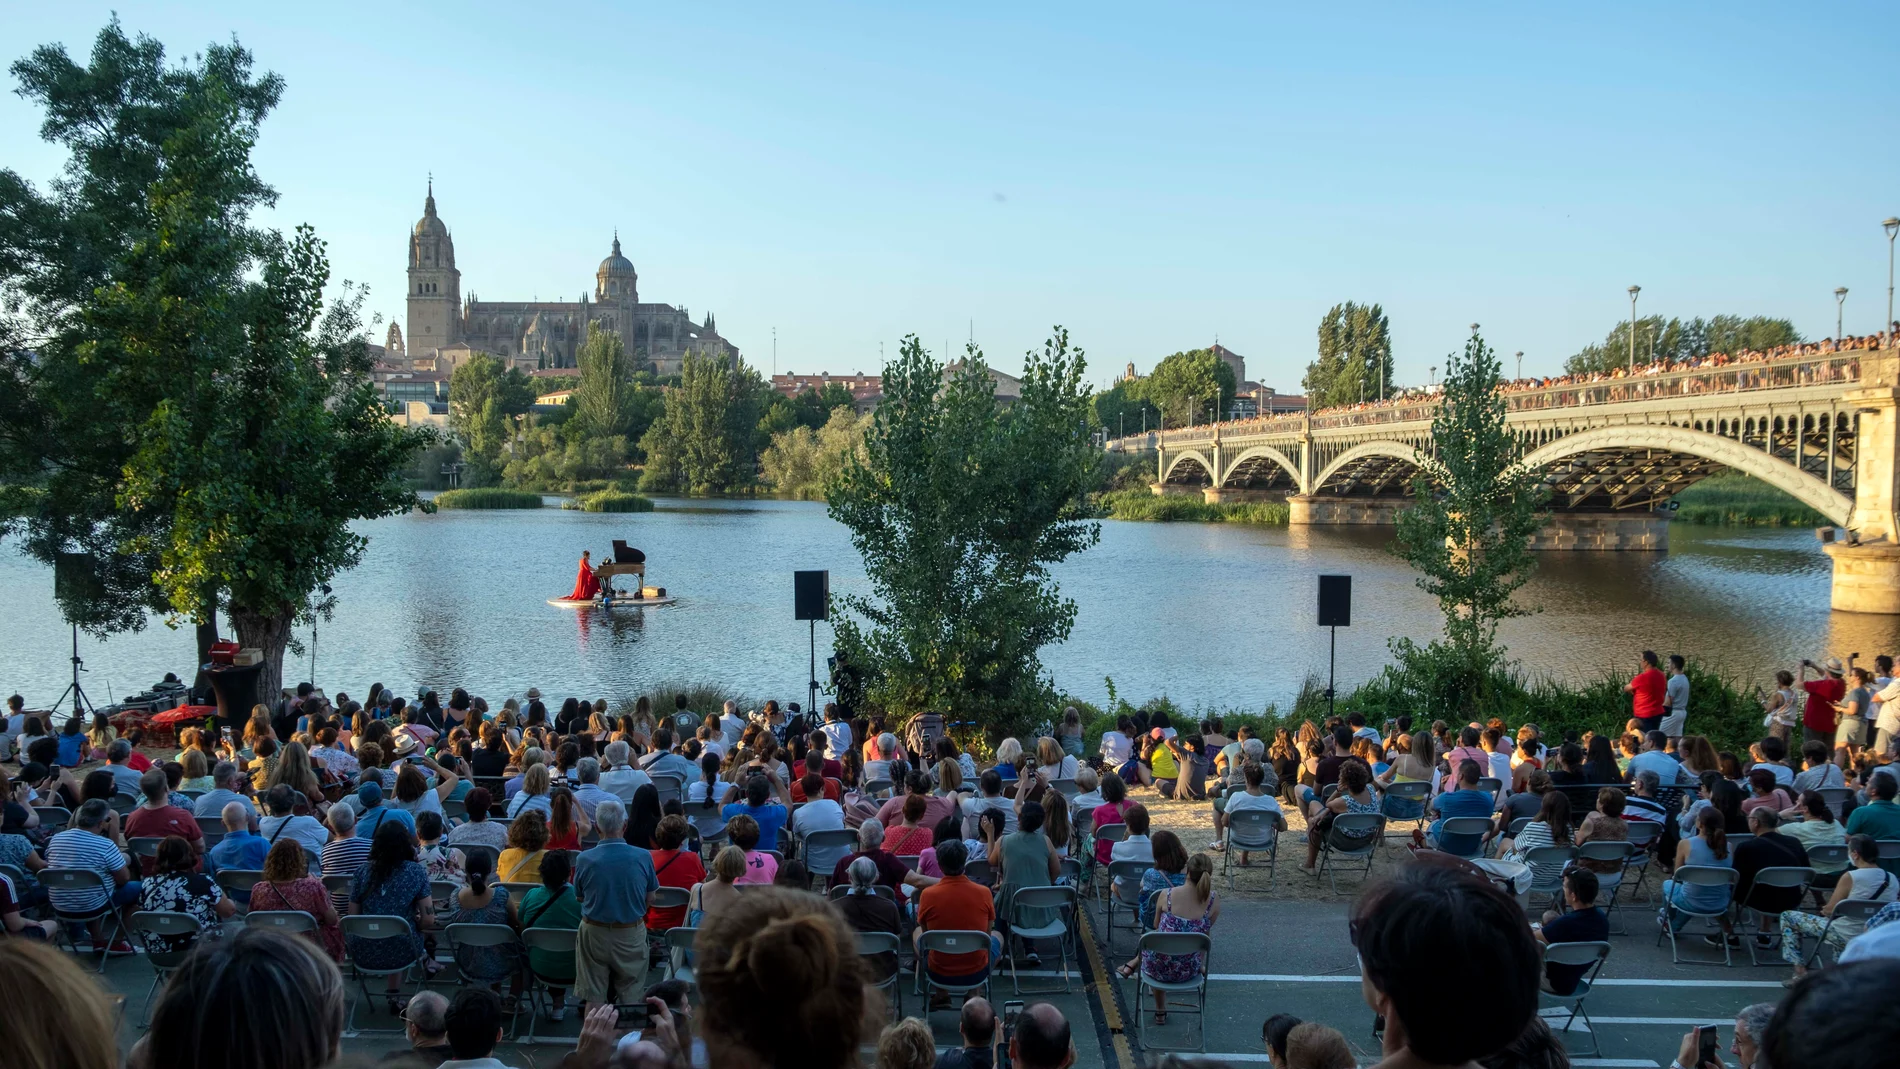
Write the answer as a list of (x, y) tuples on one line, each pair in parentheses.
[(1212, 615)]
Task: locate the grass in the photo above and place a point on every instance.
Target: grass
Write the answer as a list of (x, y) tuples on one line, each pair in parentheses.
[(1142, 505), (487, 497), (1739, 500), (610, 500), (701, 698)]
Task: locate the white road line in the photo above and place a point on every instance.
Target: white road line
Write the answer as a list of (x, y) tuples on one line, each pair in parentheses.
[(1352, 978), (1586, 1063)]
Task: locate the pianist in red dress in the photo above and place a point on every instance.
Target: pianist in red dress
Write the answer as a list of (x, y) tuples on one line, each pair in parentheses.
[(585, 585)]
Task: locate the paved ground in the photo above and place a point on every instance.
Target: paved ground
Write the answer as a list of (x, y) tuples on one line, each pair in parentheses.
[(1281, 954)]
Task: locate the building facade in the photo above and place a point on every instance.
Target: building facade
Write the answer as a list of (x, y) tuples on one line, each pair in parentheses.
[(444, 329)]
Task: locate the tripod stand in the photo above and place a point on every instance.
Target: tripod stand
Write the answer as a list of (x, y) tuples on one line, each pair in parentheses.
[(81, 703)]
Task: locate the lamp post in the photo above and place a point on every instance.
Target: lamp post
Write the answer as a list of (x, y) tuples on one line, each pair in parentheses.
[(1634, 290), (1385, 357), (1474, 330), (1892, 227), (1520, 365), (1840, 301)]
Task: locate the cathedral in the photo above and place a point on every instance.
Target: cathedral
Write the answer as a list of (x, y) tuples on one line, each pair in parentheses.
[(444, 329)]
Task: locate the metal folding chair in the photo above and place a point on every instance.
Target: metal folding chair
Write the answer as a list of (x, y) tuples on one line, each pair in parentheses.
[(172, 925), (1463, 837), (1783, 877), (442, 893), (1889, 854), (469, 852), (85, 882), (1607, 850), (1852, 909), (879, 789), (1491, 784), (239, 882), (878, 889), (1110, 833), (485, 935), (951, 941), (670, 785), (872, 943), (455, 810), (54, 818), (1547, 872), (1065, 787), (1698, 876), (1130, 873), (1175, 943), (560, 943), (1350, 827), (1642, 836), (1060, 898), (1251, 831), (287, 921), (208, 825), (824, 842), (1837, 799), (374, 927), (144, 846), (978, 871), (679, 943), (1591, 955), (1414, 796)]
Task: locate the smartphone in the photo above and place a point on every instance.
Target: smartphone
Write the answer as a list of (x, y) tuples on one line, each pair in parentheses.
[(1011, 1012), (1706, 1042), (226, 730), (639, 1018)]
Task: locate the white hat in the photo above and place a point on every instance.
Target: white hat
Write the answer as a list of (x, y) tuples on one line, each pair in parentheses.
[(1834, 666)]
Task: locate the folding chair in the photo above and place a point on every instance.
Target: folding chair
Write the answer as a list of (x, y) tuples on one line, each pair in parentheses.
[(1642, 836), (54, 818), (1698, 876), (469, 852), (1175, 943), (711, 827), (485, 935), (1065, 787), (1059, 898), (340, 884), (1608, 851), (1889, 854), (870, 943), (1251, 831), (1830, 863), (1347, 828), (1547, 864), (679, 943), (556, 941), (879, 789), (1837, 799), (1492, 785), (1111, 833), (373, 926), (1413, 795), (950, 941), (123, 803), (85, 882), (442, 893), (144, 846), (979, 871), (1859, 909), (209, 825), (240, 881), (878, 889), (670, 785), (1591, 955), (1517, 827), (455, 810), (173, 925), (1463, 837), (287, 921), (1130, 873), (824, 842), (1783, 877), (518, 889)]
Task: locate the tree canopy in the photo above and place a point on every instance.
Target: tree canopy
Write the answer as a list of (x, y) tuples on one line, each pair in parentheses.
[(1195, 381), (707, 440), (959, 507), (1676, 339), (485, 401), (1354, 339)]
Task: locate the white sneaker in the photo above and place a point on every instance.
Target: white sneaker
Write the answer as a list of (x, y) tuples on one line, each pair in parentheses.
[(558, 1013)]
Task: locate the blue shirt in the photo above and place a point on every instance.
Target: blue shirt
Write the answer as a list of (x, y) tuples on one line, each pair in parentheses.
[(771, 817), (1464, 803), (72, 749), (673, 763), (372, 819), (239, 850), (613, 881), (211, 803), (1667, 769)]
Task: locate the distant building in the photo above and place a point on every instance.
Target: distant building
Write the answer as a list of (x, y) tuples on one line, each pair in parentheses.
[(445, 330), (1009, 388), (866, 390)]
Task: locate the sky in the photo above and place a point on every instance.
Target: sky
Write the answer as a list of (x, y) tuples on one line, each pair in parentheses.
[(1151, 177)]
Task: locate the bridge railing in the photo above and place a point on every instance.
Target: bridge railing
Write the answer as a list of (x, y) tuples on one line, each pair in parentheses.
[(1689, 382)]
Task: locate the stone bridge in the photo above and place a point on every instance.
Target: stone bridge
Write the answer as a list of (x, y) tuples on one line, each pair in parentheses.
[(1822, 428)]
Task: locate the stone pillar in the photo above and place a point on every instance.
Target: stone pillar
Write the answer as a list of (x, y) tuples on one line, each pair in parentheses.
[(1867, 571), (1215, 495), (1866, 577), (1611, 532), (1304, 509)]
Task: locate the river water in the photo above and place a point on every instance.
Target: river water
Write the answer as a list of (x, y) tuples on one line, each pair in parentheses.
[(1210, 614)]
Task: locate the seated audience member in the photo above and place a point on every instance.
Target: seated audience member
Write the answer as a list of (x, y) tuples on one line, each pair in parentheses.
[(1042, 1039), (1763, 791), (474, 1026), (58, 1015), (292, 999), (1434, 910), (956, 903), (976, 1026), (780, 972), (1580, 922), (867, 911), (1768, 848), (1535, 1048), (1464, 800), (93, 842), (1880, 938), (1865, 882), (1273, 1035), (1311, 1045), (288, 885), (1256, 795), (1880, 817), (426, 1031), (907, 1044), (176, 886)]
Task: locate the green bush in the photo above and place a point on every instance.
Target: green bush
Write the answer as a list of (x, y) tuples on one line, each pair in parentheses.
[(1143, 505), (487, 497), (609, 501), (701, 698), (1739, 500)]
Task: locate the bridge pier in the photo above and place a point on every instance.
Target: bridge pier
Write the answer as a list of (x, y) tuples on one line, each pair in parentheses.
[(1866, 577), (1604, 532), (1322, 510), (1216, 495)]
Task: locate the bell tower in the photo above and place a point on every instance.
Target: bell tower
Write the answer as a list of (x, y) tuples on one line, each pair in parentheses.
[(435, 286)]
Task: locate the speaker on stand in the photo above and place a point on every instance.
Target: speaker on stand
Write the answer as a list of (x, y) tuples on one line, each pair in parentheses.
[(811, 601), (1335, 611)]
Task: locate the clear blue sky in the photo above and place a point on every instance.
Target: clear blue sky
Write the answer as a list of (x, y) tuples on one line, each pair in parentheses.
[(1148, 175)]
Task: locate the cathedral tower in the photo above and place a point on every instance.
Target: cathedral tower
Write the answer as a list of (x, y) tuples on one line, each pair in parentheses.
[(435, 286)]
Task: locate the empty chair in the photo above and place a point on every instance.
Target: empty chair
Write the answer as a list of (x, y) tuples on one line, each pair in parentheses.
[(405, 952), (1063, 902), (1353, 837), (237, 884)]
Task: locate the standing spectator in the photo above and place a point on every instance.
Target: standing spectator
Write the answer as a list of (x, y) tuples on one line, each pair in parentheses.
[(612, 881), (1852, 732), (1647, 691), (392, 884), (1581, 922), (176, 886), (1781, 709), (1676, 697), (955, 903), (157, 818), (1865, 882), (288, 885), (673, 866), (1820, 714)]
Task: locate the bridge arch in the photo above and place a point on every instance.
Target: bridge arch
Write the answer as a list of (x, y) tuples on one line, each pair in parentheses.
[(1194, 462), (1603, 444), (1378, 465), (1262, 456)]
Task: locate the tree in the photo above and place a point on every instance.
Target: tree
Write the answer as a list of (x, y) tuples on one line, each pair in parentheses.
[(1468, 531), (1124, 408), (1675, 340), (801, 463), (190, 418), (603, 402), (706, 440), (485, 398), (813, 408), (959, 508), (1195, 380), (1354, 340)]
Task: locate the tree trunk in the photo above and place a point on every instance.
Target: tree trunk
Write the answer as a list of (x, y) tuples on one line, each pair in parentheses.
[(270, 633)]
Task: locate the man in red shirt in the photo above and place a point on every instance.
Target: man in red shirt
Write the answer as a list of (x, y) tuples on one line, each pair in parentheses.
[(956, 903), (157, 818), (1820, 714), (1646, 693)]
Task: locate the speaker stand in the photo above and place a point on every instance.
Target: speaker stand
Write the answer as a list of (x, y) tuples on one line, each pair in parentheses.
[(1332, 661), (811, 692)]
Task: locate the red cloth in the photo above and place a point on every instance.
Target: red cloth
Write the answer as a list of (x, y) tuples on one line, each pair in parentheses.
[(1823, 696), (675, 868), (1646, 696), (138, 762), (185, 713), (585, 585)]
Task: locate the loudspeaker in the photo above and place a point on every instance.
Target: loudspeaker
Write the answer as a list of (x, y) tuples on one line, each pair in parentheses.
[(811, 595), (1335, 601)]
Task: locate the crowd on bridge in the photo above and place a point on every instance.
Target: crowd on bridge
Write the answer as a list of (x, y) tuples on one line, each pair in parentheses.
[(755, 879)]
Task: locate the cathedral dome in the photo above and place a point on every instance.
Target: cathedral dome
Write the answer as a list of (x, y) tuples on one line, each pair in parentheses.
[(615, 265), (616, 280), (429, 244)]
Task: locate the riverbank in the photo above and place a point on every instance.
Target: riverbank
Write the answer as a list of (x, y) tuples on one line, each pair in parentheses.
[(1145, 506), (1742, 501)]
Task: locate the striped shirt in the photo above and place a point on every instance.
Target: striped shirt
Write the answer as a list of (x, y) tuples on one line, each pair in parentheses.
[(77, 848), (343, 857)]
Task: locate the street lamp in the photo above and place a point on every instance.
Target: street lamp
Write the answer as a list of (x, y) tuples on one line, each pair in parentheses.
[(1385, 357), (1474, 330), (1840, 300), (1892, 226), (1634, 290), (1520, 365), (1434, 374)]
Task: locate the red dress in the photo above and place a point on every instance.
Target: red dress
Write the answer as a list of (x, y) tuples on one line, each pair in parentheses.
[(585, 586)]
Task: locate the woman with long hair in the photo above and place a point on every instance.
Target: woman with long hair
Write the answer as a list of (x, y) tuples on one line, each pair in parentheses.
[(1698, 755), (567, 821), (1550, 828), (295, 770), (393, 883), (708, 787), (482, 901), (1600, 764), (1056, 824), (101, 735), (1189, 906), (643, 816), (1708, 848), (258, 727)]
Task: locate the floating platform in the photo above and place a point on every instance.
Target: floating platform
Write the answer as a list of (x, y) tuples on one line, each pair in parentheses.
[(616, 603)]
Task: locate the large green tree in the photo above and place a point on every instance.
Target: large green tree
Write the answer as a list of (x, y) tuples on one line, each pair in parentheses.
[(190, 417), (802, 463), (707, 440), (1354, 341), (1195, 381), (486, 399), (1677, 339), (959, 507), (1468, 530), (1124, 408), (604, 402)]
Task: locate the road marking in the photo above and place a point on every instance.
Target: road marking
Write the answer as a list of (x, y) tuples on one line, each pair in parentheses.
[(1586, 1063), (1353, 978)]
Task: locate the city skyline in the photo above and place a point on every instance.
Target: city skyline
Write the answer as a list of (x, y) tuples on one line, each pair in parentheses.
[(848, 175)]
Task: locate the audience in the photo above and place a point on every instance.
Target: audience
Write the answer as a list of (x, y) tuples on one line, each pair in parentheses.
[(58, 1016), (291, 998)]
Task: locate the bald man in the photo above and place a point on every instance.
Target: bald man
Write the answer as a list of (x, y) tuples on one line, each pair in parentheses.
[(428, 1027)]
